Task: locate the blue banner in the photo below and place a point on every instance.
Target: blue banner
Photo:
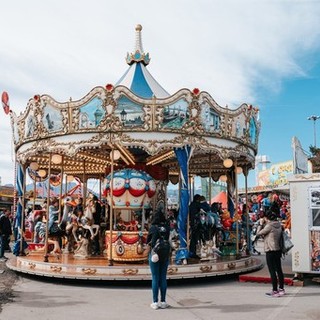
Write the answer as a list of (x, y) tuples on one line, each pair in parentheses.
[(183, 156)]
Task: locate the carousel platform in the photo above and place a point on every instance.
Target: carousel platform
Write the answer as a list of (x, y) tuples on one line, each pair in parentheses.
[(66, 266)]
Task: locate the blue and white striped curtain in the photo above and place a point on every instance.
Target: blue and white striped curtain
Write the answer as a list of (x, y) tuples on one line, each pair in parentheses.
[(183, 156)]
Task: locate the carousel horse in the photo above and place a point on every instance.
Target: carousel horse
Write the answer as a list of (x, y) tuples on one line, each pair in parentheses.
[(208, 227), (40, 230), (86, 221), (69, 219)]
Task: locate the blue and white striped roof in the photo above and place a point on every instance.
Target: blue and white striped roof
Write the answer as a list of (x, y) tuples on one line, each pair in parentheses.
[(137, 78)]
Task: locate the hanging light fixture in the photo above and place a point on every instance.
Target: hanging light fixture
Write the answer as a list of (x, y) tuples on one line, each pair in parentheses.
[(34, 166), (70, 178), (223, 178), (42, 173), (239, 170), (116, 154), (227, 163), (56, 158)]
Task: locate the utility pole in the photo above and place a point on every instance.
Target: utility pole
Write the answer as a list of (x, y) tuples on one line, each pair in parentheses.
[(314, 118)]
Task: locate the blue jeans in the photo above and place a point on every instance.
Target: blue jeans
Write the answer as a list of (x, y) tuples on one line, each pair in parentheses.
[(3, 244), (159, 278)]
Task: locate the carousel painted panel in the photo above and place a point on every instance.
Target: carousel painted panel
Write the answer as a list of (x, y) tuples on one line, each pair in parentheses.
[(91, 113), (52, 119), (130, 113), (175, 115), (210, 119), (30, 125)]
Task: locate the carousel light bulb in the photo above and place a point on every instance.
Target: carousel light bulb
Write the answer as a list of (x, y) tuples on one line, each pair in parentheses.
[(42, 173), (34, 166), (70, 178), (56, 159), (227, 163), (223, 178), (239, 170), (116, 154)]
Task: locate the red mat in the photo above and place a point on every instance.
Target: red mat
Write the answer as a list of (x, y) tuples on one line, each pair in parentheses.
[(248, 278)]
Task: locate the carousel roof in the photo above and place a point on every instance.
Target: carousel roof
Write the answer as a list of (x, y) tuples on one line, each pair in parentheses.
[(141, 121), (137, 78)]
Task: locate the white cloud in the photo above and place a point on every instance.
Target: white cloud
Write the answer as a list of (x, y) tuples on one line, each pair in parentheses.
[(228, 48)]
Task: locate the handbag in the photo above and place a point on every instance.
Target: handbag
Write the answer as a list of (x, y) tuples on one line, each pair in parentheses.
[(285, 243)]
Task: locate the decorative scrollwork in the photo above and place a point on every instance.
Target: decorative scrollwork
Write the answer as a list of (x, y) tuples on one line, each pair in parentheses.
[(56, 269), (130, 271), (172, 270), (89, 271), (206, 268), (32, 265), (232, 265)]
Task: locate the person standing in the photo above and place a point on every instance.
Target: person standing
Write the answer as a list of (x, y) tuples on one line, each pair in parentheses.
[(96, 213), (272, 233), (159, 268), (194, 221), (5, 233)]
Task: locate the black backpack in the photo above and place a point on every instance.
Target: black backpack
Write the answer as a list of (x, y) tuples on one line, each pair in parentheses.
[(162, 246)]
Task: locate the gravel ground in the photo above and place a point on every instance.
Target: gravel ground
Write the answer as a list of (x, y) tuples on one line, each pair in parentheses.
[(7, 280)]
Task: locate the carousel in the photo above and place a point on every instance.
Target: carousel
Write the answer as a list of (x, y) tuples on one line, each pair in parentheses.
[(133, 137)]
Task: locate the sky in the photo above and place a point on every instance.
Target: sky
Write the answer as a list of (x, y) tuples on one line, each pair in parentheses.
[(264, 53)]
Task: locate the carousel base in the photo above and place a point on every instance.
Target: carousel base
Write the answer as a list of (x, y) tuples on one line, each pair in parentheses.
[(66, 266)]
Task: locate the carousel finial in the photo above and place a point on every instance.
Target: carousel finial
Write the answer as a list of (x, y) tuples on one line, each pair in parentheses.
[(138, 55)]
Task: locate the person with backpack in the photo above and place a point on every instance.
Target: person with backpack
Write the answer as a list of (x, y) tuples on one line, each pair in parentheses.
[(158, 239)]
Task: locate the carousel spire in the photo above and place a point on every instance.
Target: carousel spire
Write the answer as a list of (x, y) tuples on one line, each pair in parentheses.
[(138, 55)]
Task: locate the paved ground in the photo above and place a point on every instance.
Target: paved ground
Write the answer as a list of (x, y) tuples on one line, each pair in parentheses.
[(224, 298)]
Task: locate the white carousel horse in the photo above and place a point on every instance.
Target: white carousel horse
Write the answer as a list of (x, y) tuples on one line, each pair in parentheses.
[(86, 221)]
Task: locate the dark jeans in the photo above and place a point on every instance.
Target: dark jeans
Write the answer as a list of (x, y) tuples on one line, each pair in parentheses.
[(3, 244), (274, 265), (195, 236), (159, 278)]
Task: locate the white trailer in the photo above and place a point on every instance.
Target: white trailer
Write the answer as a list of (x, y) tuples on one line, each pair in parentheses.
[(305, 222)]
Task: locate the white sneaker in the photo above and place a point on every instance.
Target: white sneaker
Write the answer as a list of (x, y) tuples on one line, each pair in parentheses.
[(154, 305), (163, 305)]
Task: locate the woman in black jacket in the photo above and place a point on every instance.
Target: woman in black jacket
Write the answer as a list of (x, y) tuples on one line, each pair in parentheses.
[(159, 230)]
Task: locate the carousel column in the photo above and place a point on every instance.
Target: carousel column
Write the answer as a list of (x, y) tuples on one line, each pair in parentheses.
[(211, 246), (22, 227), (34, 167), (245, 172), (114, 156), (46, 256), (84, 185), (61, 185), (236, 206)]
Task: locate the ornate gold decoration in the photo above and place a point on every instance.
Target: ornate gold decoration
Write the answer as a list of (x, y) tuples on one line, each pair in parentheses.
[(172, 270), (56, 269), (130, 271), (89, 271), (232, 265), (206, 268), (32, 265)]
